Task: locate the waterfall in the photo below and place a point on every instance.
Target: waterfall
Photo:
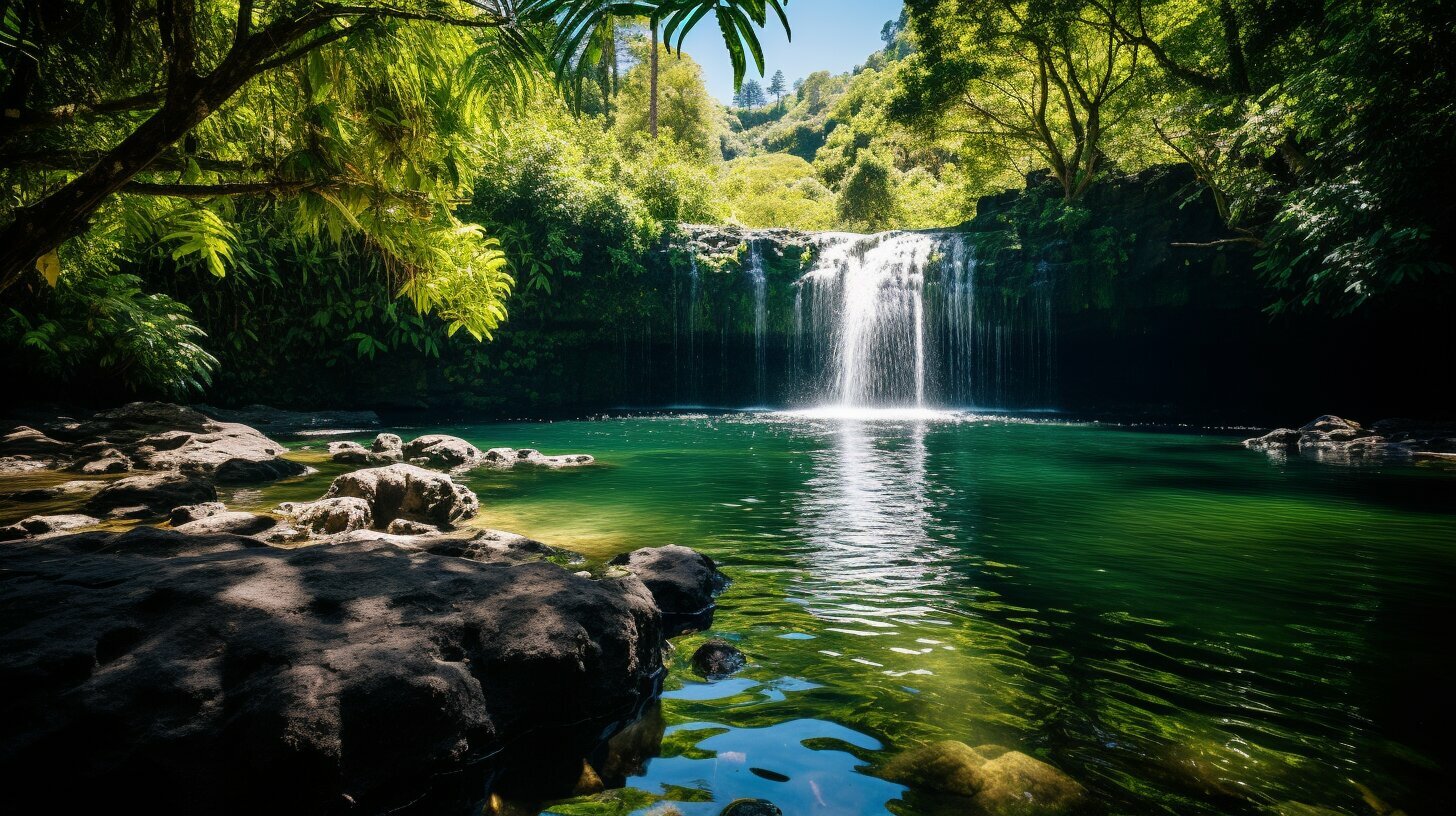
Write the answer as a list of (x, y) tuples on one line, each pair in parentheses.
[(899, 319), (893, 320), (755, 271), (872, 291)]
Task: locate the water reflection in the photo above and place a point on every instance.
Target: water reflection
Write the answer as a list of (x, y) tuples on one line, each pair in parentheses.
[(865, 520), (787, 763)]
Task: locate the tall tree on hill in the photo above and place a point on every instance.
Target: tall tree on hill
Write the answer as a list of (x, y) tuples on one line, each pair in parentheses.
[(750, 95), (778, 86)]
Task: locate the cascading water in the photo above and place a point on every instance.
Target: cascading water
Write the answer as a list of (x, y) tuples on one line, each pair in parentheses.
[(869, 303), (898, 319), (893, 320), (754, 268)]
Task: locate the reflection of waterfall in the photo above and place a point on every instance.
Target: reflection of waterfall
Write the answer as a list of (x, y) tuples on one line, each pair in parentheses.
[(866, 519), (754, 268)]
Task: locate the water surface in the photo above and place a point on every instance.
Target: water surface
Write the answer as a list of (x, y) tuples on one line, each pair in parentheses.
[(1184, 626)]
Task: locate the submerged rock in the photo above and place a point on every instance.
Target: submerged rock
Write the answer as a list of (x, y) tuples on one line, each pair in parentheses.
[(718, 658), (751, 807), (1011, 784), (408, 492), (158, 493), (40, 526), (256, 679)]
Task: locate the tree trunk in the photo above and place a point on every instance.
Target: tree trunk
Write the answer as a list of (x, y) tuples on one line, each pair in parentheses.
[(66, 213), (652, 104)]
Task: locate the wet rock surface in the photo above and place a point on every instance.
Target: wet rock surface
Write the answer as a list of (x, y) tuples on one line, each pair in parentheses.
[(682, 581), (1335, 439), (179, 672), (717, 659), (752, 807)]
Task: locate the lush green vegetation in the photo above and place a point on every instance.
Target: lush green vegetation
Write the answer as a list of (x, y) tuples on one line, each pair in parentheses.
[(240, 184)]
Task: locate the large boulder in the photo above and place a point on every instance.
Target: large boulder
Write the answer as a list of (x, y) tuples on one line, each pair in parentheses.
[(25, 448), (312, 680), (330, 516), (442, 451), (162, 436), (683, 582), (408, 492), (233, 522), (157, 492)]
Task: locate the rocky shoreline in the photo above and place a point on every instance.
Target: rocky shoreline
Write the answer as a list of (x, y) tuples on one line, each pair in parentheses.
[(359, 653), (1334, 439)]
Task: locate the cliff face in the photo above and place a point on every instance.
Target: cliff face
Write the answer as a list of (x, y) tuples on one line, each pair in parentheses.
[(1093, 309), (1145, 326)]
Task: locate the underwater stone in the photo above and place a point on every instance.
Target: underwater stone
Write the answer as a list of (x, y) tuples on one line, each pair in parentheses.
[(718, 658)]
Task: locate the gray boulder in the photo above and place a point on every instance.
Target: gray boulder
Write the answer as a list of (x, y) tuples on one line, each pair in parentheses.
[(230, 522), (1277, 440), (26, 448), (41, 526), (442, 451), (193, 512), (161, 436), (683, 582), (157, 492), (388, 445), (408, 492), (102, 461), (259, 679), (330, 516), (353, 453)]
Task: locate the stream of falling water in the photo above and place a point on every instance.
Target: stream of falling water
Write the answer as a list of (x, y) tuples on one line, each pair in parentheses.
[(756, 274)]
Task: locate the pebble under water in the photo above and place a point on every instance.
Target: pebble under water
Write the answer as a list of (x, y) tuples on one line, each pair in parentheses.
[(1182, 625)]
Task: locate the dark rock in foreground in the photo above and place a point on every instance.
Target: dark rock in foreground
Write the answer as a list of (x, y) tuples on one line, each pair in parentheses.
[(683, 583), (718, 658), (234, 677)]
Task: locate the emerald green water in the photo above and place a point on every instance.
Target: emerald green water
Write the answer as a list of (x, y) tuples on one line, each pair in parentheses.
[(1182, 625)]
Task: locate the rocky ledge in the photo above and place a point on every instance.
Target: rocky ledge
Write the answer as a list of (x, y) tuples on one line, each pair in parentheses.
[(1331, 438), (183, 671), (150, 436)]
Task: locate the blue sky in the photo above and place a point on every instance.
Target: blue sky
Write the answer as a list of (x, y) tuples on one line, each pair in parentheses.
[(832, 35)]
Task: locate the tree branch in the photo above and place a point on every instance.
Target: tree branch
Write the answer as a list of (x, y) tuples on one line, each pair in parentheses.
[(215, 190)]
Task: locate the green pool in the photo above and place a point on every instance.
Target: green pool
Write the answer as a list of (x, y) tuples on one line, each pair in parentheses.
[(1182, 625)]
